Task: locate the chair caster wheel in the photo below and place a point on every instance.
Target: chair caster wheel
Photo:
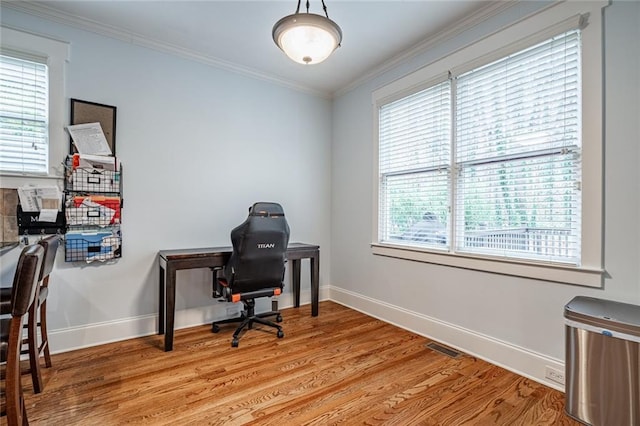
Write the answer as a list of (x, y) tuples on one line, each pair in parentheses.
[(234, 343), (280, 334), (279, 318), (215, 328)]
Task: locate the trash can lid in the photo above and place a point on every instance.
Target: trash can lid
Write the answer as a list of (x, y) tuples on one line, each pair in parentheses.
[(618, 316)]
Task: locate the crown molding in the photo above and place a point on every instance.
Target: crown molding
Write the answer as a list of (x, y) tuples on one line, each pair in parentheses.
[(42, 11), (492, 9)]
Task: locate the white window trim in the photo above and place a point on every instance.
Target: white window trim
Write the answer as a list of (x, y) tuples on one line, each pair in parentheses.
[(536, 27), (57, 54)]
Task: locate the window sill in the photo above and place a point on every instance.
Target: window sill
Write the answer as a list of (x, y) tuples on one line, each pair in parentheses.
[(583, 276), (13, 181)]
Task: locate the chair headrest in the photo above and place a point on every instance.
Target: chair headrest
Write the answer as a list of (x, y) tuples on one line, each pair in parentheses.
[(266, 210)]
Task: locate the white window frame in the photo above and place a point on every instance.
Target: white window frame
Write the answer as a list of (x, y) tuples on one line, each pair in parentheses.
[(57, 54), (551, 21)]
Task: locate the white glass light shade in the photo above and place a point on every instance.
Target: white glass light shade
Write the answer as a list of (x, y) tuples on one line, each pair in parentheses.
[(307, 38)]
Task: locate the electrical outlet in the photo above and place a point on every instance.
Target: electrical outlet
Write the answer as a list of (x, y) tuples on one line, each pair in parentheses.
[(554, 375)]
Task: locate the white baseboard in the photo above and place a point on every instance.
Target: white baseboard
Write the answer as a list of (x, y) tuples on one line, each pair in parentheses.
[(72, 338), (519, 360)]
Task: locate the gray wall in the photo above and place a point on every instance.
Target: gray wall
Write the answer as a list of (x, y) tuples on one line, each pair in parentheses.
[(519, 315), (199, 145)]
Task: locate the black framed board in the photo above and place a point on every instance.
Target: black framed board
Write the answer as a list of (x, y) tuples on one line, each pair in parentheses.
[(91, 112)]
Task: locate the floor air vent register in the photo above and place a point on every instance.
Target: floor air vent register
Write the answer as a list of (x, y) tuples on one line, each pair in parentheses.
[(443, 350)]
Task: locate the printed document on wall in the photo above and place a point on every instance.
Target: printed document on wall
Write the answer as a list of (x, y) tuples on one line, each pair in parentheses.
[(89, 139)]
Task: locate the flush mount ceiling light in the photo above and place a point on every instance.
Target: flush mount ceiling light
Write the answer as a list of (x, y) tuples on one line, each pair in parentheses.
[(307, 38)]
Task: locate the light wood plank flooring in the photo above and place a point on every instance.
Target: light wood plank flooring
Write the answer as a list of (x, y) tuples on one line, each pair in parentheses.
[(340, 367)]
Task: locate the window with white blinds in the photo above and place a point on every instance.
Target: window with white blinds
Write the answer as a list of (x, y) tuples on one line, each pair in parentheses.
[(489, 161), (24, 117), (518, 154), (415, 167)]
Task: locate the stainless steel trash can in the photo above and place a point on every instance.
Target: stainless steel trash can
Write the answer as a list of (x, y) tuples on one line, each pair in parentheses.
[(602, 362)]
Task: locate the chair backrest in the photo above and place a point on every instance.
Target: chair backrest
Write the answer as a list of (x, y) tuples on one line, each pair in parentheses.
[(26, 279), (50, 245), (259, 250)]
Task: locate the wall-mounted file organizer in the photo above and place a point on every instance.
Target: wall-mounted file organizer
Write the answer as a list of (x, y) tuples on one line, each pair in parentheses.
[(88, 246), (95, 181), (93, 209)]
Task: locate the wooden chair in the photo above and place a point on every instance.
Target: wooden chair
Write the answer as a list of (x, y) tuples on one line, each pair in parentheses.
[(23, 296), (39, 309)]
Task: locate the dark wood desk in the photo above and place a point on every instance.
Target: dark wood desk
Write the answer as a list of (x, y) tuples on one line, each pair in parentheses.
[(172, 260)]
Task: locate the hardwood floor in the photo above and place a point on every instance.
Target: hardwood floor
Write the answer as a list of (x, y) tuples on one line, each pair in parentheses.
[(340, 367)]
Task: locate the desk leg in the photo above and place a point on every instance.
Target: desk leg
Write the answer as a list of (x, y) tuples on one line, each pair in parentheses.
[(315, 283), (170, 307), (161, 299), (295, 281)]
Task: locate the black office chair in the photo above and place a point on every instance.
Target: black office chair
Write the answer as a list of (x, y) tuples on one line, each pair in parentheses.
[(255, 268)]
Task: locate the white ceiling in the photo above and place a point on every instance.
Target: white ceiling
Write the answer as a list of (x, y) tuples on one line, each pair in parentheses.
[(237, 34)]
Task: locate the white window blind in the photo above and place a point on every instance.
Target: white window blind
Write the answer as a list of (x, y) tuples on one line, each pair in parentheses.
[(23, 115), (518, 154), (512, 131), (415, 167)]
